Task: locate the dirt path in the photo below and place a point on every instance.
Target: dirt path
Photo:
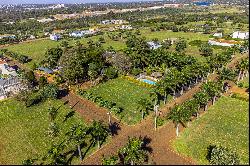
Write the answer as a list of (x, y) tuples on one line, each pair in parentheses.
[(159, 140)]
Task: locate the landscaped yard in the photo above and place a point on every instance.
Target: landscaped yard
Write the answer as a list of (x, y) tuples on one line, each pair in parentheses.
[(125, 94), (226, 123), (23, 130)]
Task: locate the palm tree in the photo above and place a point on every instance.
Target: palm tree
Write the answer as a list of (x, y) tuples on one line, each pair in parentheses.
[(179, 115), (227, 74), (55, 155), (133, 152), (52, 113), (144, 106), (99, 132), (212, 89), (76, 135), (113, 160), (202, 99)]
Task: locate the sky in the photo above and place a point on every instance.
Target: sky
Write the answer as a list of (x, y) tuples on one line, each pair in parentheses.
[(61, 1)]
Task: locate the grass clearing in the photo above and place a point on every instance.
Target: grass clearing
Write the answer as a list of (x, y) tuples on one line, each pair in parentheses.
[(226, 123), (23, 130), (125, 94)]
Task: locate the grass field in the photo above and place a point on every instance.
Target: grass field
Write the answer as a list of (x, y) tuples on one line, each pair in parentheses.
[(23, 130), (125, 94), (226, 123)]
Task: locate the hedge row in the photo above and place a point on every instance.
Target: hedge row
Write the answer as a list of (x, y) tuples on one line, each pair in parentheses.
[(138, 82)]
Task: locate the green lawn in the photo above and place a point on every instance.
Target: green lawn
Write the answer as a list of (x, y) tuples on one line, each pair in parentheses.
[(23, 130), (125, 94), (226, 123), (161, 35)]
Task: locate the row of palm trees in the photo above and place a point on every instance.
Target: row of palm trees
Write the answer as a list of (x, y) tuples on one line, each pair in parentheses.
[(182, 114), (243, 67)]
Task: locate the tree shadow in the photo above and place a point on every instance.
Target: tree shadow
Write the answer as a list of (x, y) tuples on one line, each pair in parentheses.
[(69, 115), (114, 127), (85, 153), (209, 151), (146, 141), (62, 93)]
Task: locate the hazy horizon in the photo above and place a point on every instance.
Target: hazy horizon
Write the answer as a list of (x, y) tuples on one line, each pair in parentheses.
[(64, 1)]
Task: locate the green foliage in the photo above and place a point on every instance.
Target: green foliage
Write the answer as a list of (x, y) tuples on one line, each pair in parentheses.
[(181, 45), (133, 152), (219, 155), (50, 91), (113, 160), (206, 50), (52, 56), (110, 73), (42, 81)]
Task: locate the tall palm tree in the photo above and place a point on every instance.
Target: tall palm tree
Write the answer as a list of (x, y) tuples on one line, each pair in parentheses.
[(212, 89), (99, 132), (133, 152), (202, 99), (77, 135), (179, 115), (52, 113), (55, 155), (113, 160), (144, 106)]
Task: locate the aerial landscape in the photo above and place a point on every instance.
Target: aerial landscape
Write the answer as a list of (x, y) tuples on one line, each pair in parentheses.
[(124, 82)]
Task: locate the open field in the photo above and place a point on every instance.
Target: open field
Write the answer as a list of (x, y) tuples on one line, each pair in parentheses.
[(125, 94), (23, 130), (225, 123)]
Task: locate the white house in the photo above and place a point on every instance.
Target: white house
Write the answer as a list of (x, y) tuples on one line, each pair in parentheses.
[(54, 37), (153, 45), (218, 35), (76, 34), (10, 85), (5, 69), (220, 43), (240, 35)]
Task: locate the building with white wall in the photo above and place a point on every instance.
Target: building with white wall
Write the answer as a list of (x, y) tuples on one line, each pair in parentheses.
[(240, 35)]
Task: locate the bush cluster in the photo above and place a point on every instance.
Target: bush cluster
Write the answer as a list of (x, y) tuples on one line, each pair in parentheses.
[(100, 101)]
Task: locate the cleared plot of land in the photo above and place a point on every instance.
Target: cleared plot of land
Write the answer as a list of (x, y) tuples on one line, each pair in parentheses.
[(23, 130), (125, 94), (225, 123)]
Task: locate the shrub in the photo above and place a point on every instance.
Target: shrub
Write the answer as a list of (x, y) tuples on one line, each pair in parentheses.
[(160, 121), (218, 155), (136, 71), (50, 91), (33, 99), (110, 73)]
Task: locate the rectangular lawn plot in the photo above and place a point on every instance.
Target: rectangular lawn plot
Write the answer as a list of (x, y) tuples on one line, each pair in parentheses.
[(125, 94)]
